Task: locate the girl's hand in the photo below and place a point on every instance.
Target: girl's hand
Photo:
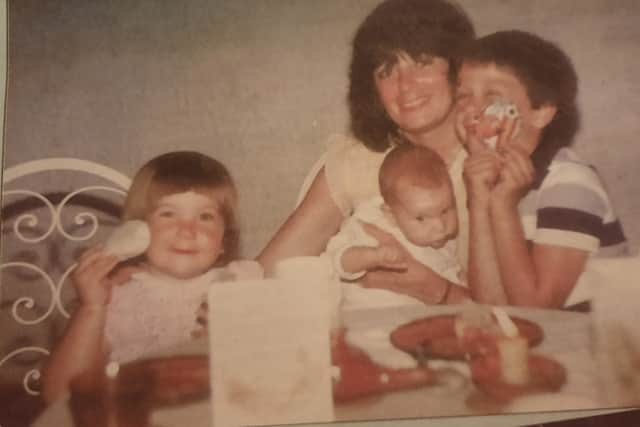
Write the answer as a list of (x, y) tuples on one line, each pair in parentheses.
[(90, 277)]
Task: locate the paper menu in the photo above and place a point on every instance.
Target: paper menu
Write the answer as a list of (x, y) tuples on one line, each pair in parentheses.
[(270, 352)]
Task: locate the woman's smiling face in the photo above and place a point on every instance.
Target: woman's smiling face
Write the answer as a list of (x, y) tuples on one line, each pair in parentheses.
[(416, 94), (187, 232)]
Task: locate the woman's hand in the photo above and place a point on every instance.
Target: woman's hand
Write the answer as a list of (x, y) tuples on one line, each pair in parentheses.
[(415, 280), (90, 277)]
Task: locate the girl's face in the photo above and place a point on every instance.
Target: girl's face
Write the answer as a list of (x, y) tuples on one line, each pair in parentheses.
[(186, 234), (416, 94), (482, 84)]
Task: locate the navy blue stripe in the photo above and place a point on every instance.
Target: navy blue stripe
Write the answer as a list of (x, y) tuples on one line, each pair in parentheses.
[(612, 234), (569, 220), (581, 222)]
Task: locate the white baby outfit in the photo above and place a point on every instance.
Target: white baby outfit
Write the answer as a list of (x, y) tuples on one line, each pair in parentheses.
[(442, 261)]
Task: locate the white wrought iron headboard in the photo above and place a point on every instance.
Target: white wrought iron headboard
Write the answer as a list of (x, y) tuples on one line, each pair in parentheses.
[(25, 228)]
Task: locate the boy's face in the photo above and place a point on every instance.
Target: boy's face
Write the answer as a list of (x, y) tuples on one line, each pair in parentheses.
[(186, 234), (426, 216), (480, 85)]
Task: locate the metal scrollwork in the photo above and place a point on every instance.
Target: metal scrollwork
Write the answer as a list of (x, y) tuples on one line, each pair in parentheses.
[(33, 374), (83, 217), (31, 228)]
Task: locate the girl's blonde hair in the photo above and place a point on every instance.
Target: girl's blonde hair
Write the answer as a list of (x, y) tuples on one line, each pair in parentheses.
[(178, 172)]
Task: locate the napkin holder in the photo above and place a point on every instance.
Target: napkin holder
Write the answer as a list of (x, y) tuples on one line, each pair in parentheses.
[(615, 329), (270, 352)]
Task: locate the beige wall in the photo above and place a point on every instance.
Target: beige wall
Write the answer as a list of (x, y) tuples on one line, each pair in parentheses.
[(261, 84)]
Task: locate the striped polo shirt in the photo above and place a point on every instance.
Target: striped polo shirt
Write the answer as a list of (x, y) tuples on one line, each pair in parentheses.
[(570, 207)]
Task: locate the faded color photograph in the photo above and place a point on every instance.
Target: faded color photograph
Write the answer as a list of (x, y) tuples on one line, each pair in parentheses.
[(259, 212)]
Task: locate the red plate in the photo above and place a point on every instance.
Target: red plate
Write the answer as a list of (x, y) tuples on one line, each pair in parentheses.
[(546, 375), (435, 337), (171, 380)]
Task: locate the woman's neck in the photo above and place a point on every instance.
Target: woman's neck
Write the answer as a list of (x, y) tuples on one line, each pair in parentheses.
[(442, 139)]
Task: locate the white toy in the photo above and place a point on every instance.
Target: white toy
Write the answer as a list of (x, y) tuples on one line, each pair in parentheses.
[(489, 126), (129, 240)]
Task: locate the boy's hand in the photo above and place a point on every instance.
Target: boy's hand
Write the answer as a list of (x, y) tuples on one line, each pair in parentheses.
[(482, 167), (90, 277), (516, 176), (481, 173)]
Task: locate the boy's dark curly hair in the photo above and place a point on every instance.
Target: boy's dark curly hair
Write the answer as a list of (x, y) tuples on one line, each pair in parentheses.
[(548, 75), (417, 27)]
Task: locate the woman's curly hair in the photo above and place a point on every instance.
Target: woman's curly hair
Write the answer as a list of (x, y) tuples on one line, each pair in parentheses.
[(417, 27)]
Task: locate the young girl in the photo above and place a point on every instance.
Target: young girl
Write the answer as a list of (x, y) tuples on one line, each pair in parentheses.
[(537, 211), (188, 201)]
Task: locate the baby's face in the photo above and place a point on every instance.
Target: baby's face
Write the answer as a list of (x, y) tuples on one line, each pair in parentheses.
[(186, 234), (426, 216)]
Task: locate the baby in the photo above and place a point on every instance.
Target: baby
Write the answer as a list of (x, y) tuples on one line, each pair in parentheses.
[(180, 217), (418, 208)]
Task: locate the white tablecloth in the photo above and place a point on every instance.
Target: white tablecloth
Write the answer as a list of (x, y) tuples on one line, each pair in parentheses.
[(567, 340)]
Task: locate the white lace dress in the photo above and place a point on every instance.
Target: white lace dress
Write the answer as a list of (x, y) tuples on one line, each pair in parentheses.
[(152, 312)]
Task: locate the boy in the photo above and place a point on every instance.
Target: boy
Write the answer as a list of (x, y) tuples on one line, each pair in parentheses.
[(537, 211)]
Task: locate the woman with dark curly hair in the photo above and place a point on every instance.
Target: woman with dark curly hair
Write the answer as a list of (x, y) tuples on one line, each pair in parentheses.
[(401, 90)]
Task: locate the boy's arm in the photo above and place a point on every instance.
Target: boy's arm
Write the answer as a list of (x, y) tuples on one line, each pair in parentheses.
[(542, 275), (481, 171)]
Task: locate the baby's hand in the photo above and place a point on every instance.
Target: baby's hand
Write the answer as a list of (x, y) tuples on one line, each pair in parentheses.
[(390, 257), (90, 276)]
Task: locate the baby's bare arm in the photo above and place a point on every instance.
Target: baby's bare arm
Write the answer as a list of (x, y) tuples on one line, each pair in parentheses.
[(363, 258)]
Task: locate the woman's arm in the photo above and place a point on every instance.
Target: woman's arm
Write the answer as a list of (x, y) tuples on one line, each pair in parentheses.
[(308, 228), (416, 280), (82, 345)]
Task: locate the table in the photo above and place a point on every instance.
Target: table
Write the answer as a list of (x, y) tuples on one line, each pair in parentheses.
[(567, 340)]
